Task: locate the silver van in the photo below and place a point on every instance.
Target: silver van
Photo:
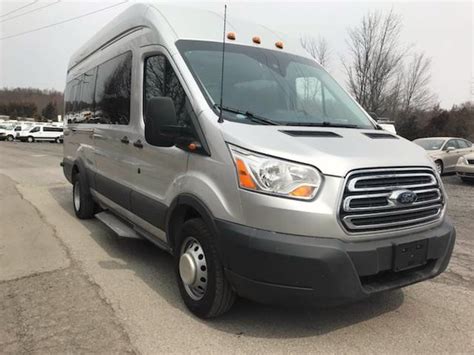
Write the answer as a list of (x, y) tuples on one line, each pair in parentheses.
[(262, 177)]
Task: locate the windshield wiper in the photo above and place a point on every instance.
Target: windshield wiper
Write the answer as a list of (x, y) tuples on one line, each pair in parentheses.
[(249, 115), (322, 124)]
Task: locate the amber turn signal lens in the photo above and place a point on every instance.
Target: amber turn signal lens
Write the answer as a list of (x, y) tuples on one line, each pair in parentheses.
[(256, 39), (245, 179), (279, 44), (231, 35), (192, 146), (303, 191)]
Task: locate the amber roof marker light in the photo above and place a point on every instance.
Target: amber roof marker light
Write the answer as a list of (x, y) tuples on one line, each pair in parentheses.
[(279, 44), (256, 39), (231, 36)]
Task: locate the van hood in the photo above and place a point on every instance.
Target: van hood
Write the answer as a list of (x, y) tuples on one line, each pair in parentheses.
[(334, 151)]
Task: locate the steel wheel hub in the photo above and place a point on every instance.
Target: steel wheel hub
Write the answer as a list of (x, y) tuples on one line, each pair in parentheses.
[(193, 268)]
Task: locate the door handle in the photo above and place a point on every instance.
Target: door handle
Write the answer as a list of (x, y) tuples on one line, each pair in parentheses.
[(138, 144), (125, 140)]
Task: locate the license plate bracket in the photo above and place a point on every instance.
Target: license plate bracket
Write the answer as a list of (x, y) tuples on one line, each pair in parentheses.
[(410, 255)]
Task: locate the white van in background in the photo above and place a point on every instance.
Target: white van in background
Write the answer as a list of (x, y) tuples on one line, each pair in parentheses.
[(42, 133)]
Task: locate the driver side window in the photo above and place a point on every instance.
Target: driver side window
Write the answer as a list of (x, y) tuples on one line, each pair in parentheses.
[(162, 81), (451, 144)]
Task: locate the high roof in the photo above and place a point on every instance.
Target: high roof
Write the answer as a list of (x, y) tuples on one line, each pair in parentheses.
[(184, 23)]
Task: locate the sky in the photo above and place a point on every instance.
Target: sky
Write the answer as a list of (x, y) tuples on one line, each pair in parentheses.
[(443, 30)]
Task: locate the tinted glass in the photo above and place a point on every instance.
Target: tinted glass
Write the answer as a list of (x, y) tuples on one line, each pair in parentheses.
[(430, 144), (451, 144), (161, 81), (462, 144), (35, 129), (112, 94), (276, 85), (52, 129), (85, 102)]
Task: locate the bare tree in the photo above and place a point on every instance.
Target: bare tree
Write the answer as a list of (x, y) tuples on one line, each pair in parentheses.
[(374, 60), (318, 48), (416, 93)]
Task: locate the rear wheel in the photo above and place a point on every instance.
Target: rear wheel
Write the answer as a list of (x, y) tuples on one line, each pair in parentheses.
[(57, 140), (439, 167), (83, 203), (30, 139), (201, 279)]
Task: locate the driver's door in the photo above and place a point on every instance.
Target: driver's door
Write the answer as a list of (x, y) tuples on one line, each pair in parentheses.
[(451, 154), (157, 169)]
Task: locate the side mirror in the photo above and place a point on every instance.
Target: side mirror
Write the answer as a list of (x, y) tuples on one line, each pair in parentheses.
[(449, 149), (161, 122)]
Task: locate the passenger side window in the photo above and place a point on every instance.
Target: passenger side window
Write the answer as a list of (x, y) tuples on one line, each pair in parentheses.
[(451, 144), (35, 129), (162, 81), (113, 90), (85, 106)]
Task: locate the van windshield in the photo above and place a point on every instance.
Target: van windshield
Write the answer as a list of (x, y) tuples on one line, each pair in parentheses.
[(272, 85)]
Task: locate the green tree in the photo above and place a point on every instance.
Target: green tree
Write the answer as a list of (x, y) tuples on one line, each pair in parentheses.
[(50, 111)]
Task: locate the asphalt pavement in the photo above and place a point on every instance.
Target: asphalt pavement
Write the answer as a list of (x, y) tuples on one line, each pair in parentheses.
[(68, 285)]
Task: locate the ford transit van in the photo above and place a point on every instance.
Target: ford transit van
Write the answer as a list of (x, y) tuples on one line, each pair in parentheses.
[(262, 177)]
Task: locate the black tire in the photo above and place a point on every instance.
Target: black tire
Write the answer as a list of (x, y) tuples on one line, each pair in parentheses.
[(10, 138), (83, 204), (57, 140), (30, 139), (439, 167), (219, 296)]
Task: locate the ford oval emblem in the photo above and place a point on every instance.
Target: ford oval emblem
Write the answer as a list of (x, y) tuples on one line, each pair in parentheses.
[(403, 197)]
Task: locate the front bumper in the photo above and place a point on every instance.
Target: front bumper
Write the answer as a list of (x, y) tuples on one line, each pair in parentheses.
[(465, 171), (279, 268)]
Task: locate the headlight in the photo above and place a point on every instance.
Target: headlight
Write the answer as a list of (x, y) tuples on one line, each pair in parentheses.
[(274, 176), (462, 161)]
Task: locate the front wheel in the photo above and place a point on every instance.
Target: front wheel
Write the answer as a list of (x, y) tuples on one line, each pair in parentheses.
[(201, 279), (10, 138), (30, 139)]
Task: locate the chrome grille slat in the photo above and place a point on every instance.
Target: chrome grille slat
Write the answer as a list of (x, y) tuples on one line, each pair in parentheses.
[(352, 186), (347, 201), (368, 205)]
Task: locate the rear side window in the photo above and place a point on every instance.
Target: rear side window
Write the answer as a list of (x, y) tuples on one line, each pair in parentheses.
[(113, 89), (85, 101), (52, 129), (462, 143)]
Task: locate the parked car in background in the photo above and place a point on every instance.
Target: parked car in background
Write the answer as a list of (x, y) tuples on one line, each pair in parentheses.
[(42, 133), (445, 151), (6, 131), (465, 167)]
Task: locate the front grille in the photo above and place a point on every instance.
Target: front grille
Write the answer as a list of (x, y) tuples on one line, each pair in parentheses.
[(471, 161), (369, 201)]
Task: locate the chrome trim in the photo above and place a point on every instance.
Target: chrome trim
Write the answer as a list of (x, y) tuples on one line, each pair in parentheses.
[(390, 204), (345, 214), (354, 181), (434, 217)]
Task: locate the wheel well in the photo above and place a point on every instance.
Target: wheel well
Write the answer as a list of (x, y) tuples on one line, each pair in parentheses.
[(179, 216), (75, 171)]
